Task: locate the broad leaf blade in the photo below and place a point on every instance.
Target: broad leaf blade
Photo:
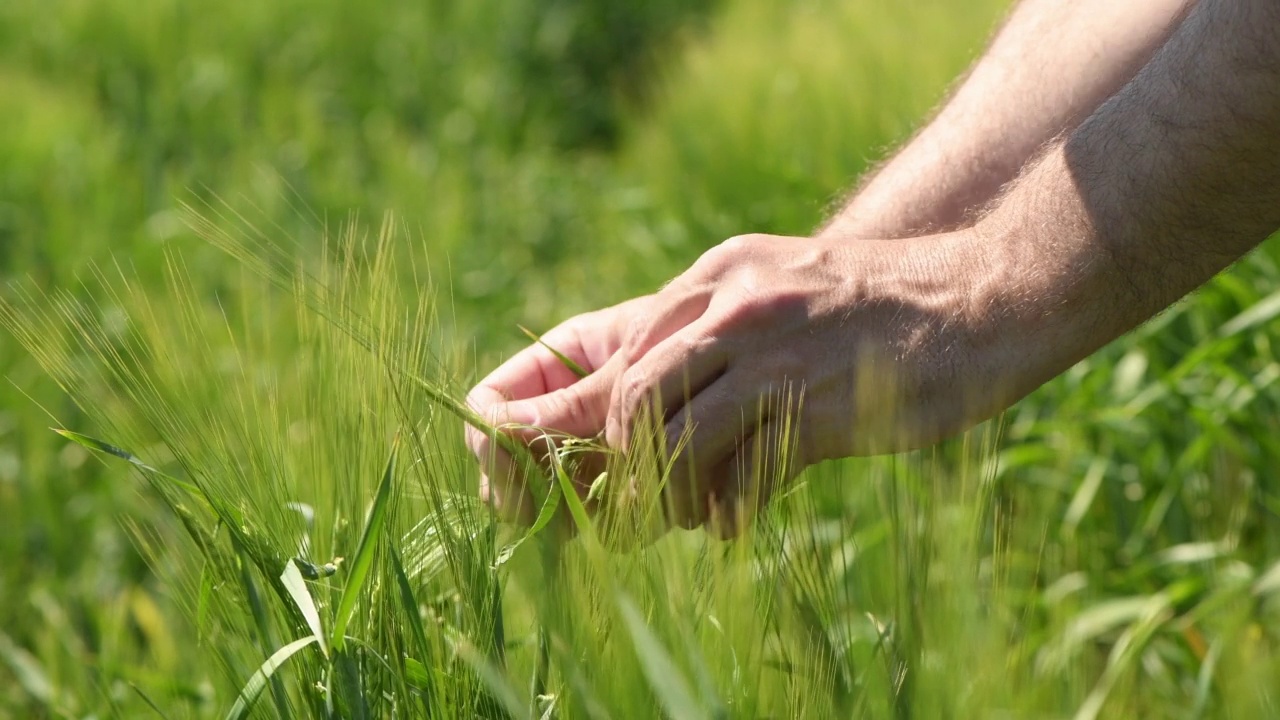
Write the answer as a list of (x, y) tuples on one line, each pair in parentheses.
[(293, 583)]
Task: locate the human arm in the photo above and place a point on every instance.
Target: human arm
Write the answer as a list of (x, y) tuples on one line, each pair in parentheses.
[(1051, 63), (899, 343), (1167, 183), (963, 323), (1050, 66)]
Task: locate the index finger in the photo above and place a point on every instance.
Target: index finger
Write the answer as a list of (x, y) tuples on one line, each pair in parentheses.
[(536, 370)]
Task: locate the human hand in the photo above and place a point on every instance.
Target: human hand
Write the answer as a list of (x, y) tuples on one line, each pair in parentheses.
[(773, 353), (535, 390), (769, 354)]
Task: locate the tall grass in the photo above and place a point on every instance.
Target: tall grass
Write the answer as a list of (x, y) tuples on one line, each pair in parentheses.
[(269, 468), (336, 560), (1109, 548)]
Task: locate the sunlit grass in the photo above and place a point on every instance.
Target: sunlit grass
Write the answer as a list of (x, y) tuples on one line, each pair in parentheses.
[(326, 577), (1110, 546)]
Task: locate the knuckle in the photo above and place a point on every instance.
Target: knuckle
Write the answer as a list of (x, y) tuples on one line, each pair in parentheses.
[(745, 313), (759, 305), (633, 346), (637, 400), (742, 243), (558, 406), (634, 388), (576, 405), (717, 261)]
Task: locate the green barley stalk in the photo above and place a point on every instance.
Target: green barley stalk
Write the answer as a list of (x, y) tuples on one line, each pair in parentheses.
[(269, 260)]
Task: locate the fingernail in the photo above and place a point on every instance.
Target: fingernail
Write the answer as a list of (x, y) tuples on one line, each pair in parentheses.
[(612, 433)]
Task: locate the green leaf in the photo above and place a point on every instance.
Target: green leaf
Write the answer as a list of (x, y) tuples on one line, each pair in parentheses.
[(1263, 311), (1269, 583), (666, 680), (253, 689), (350, 696), (150, 703), (312, 571), (568, 362), (364, 554), (261, 624), (548, 511), (597, 487), (293, 583), (225, 512), (1084, 495), (416, 674), (576, 509), (1126, 653), (202, 604), (495, 682), (26, 668), (408, 604), (97, 445)]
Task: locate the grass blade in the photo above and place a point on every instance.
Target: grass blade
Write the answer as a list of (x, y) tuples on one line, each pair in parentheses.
[(258, 681), (417, 675), (1259, 313), (226, 512), (576, 509), (568, 362), (364, 554), (150, 703), (666, 680), (202, 601), (100, 446), (26, 669), (261, 624), (351, 699), (494, 681), (1126, 653), (409, 604), (293, 583), (548, 511)]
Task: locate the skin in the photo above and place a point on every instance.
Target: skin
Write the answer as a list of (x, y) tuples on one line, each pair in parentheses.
[(1050, 66), (1159, 170)]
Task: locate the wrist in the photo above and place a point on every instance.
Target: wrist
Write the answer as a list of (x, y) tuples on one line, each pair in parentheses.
[(943, 306)]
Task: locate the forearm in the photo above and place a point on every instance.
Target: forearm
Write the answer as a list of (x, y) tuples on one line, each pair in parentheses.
[(1050, 66), (1167, 183)]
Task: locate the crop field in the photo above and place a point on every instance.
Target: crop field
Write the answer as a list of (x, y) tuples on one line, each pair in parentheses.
[(253, 253)]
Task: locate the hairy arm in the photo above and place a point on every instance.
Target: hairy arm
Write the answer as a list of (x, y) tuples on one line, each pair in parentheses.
[(1048, 68), (1170, 180), (898, 343)]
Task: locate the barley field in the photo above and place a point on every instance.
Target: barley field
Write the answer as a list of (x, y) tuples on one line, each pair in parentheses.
[(253, 253)]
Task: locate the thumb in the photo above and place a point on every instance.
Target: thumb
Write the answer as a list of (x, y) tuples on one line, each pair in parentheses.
[(578, 410)]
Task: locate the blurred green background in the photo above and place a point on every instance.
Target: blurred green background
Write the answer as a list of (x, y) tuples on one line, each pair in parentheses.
[(555, 156)]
